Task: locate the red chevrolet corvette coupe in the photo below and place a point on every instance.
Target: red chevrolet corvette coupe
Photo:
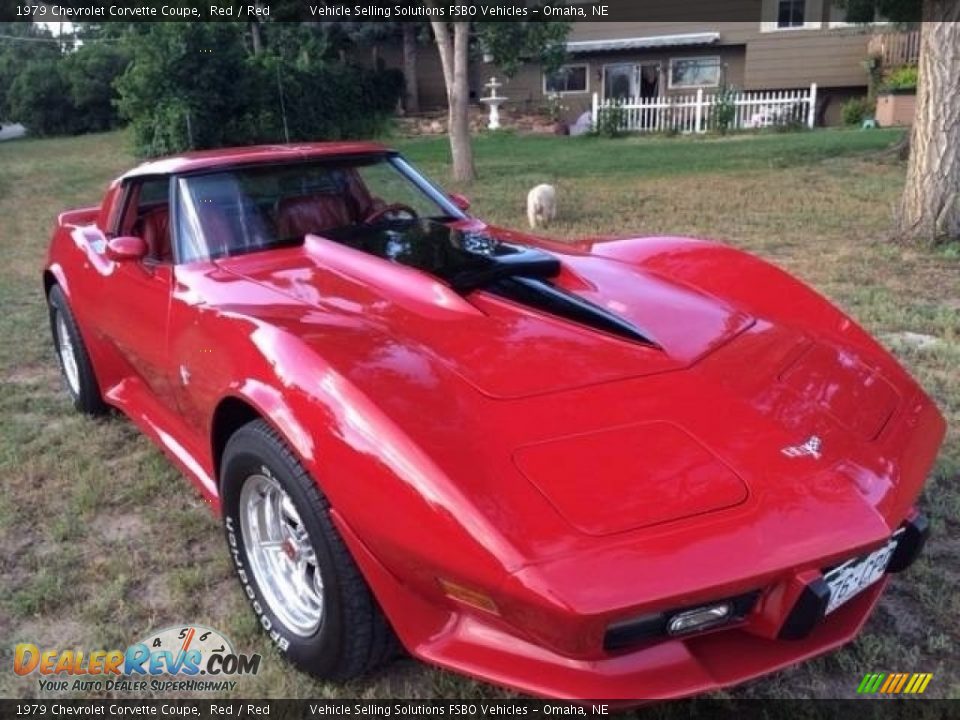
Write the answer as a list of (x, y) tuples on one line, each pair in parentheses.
[(633, 469)]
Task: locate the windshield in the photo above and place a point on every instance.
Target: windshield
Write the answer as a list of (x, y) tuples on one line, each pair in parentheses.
[(257, 208)]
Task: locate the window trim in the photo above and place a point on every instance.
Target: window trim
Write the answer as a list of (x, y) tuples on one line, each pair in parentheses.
[(672, 86), (792, 26), (586, 75), (771, 14)]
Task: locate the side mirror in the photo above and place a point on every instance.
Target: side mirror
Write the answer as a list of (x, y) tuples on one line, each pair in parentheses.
[(126, 247), (461, 201)]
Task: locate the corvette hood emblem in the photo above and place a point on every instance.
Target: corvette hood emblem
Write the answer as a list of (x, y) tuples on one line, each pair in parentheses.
[(811, 447)]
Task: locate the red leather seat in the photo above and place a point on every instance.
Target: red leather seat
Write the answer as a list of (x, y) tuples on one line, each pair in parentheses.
[(154, 228), (298, 216)]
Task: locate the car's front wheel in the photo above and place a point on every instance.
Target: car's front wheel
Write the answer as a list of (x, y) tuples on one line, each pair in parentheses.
[(75, 366), (293, 566)]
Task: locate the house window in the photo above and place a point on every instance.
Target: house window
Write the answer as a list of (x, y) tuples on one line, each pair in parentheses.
[(695, 72), (790, 13), (568, 79)]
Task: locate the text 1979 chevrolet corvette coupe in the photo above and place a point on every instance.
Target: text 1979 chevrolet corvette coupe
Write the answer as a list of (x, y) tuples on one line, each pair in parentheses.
[(633, 469)]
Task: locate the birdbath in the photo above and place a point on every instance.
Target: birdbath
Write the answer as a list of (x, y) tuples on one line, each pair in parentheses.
[(494, 101)]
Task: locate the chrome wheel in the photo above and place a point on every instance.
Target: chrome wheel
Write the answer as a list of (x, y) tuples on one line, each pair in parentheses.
[(281, 555), (67, 357)]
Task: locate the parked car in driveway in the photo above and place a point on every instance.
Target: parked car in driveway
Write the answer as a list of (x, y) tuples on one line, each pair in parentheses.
[(635, 469)]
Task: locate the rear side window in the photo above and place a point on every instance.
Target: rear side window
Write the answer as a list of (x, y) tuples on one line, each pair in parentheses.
[(154, 192), (141, 198), (147, 215)]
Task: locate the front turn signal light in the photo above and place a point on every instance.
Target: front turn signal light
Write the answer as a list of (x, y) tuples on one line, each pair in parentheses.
[(468, 596)]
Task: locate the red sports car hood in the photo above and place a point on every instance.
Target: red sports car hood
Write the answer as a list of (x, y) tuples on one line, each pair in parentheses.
[(711, 400), (485, 338)]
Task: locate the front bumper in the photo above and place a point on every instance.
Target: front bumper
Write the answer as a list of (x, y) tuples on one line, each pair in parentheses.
[(670, 669), (484, 647)]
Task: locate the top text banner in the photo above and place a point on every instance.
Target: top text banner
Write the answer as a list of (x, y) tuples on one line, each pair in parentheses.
[(675, 11)]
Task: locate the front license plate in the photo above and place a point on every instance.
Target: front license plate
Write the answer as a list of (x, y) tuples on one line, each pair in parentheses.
[(854, 576)]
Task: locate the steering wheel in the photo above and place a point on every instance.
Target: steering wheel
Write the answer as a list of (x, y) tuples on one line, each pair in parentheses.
[(386, 210)]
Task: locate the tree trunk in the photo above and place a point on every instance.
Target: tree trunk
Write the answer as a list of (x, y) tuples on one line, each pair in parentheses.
[(256, 39), (454, 60), (412, 91), (930, 206)]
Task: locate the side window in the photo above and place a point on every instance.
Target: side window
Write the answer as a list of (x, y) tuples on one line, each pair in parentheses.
[(147, 215)]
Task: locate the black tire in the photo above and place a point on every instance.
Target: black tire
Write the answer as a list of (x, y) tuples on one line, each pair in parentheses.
[(353, 636), (86, 395)]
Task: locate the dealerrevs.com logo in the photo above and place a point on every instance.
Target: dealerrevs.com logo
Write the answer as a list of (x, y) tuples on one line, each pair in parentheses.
[(182, 658)]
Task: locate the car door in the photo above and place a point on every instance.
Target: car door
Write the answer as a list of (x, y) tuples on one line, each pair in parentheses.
[(134, 311)]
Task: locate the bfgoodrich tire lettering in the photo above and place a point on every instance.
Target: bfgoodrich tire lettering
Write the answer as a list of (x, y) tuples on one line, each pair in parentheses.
[(352, 636), (79, 379)]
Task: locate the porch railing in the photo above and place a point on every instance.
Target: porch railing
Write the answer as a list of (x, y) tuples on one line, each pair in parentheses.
[(895, 48), (696, 113)]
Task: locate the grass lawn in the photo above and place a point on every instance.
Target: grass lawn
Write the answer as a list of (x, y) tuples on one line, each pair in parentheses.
[(103, 541)]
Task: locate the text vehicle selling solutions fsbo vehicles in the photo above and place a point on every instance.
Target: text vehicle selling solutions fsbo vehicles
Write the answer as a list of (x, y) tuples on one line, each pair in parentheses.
[(633, 469)]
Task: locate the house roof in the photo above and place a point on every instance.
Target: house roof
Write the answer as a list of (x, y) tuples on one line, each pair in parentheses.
[(639, 43)]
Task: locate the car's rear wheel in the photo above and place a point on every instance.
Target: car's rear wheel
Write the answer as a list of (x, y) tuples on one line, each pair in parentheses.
[(72, 355), (296, 571)]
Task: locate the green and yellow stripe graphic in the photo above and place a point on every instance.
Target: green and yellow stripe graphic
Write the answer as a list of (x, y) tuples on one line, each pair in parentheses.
[(894, 683)]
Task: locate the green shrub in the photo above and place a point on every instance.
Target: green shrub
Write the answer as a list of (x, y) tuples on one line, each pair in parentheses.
[(177, 95), (904, 78), (16, 56), (37, 98), (612, 121), (69, 95), (724, 111), (89, 73), (855, 110)]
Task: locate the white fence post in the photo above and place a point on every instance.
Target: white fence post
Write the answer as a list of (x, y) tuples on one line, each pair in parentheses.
[(812, 117), (698, 117), (595, 110)]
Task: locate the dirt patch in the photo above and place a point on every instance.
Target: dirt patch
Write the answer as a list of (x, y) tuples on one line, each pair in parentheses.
[(31, 375), (115, 527)]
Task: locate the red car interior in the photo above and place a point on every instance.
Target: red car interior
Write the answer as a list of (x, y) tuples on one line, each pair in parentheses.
[(298, 216), (154, 228)]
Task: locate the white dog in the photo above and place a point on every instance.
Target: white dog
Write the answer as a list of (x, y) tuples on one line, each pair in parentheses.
[(541, 205)]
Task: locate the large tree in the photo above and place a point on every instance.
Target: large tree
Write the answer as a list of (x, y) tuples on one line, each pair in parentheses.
[(510, 44), (930, 206), (929, 209), (453, 40)]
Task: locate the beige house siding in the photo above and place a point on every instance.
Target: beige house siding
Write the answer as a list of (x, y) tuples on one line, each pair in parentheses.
[(775, 59), (755, 55), (830, 59), (525, 90)]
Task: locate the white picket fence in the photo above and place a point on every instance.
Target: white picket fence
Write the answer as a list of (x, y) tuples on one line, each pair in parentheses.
[(694, 113)]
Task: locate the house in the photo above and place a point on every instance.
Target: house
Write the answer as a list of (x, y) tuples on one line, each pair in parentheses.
[(785, 45)]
